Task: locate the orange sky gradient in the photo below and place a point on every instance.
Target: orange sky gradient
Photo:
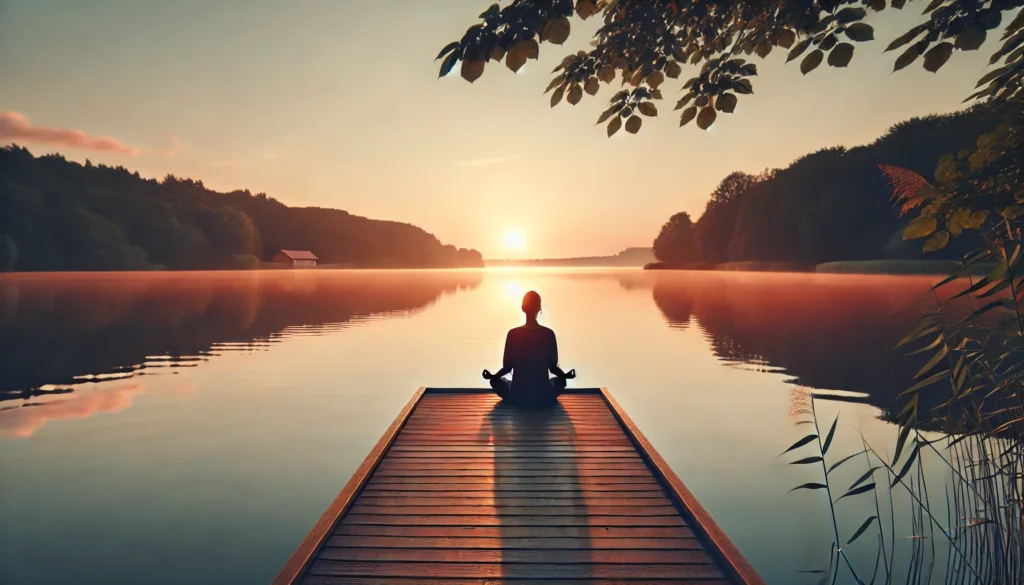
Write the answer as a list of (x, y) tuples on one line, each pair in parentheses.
[(337, 104)]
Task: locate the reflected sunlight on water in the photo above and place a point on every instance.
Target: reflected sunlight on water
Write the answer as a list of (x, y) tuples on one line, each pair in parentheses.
[(211, 417)]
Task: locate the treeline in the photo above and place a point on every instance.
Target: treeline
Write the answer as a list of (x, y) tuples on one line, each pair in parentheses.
[(832, 205), (57, 214)]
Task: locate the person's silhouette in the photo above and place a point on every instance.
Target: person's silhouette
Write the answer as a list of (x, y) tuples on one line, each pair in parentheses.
[(530, 353)]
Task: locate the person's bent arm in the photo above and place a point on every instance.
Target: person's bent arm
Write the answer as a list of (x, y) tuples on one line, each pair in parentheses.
[(506, 362), (553, 361)]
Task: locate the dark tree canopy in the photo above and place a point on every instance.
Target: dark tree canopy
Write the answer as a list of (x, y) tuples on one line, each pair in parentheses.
[(59, 215), (713, 230), (834, 204), (643, 42), (674, 244)]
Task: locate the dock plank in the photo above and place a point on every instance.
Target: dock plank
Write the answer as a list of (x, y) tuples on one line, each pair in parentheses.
[(464, 489)]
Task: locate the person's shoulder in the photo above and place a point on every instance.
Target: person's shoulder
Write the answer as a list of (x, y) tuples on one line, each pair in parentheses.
[(548, 331)]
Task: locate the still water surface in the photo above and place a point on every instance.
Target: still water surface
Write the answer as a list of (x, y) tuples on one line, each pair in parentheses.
[(191, 427)]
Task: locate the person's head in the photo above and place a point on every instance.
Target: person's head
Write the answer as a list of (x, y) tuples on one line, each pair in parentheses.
[(531, 304)]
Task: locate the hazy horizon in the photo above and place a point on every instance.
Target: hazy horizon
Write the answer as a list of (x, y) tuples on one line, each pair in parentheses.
[(337, 104)]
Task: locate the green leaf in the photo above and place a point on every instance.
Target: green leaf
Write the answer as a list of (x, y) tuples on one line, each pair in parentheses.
[(706, 118), (841, 55), (988, 307), (828, 438), (800, 443), (935, 343), (844, 460), (575, 94), (726, 103), (937, 56), (860, 32), (798, 49), (934, 361), (557, 96), (859, 490), (865, 477), (901, 441), (633, 124), (970, 39), (648, 109), (910, 55), (447, 49), (906, 466), (809, 486), (687, 115), (849, 14), (811, 61), (806, 460), (1002, 285), (924, 327), (861, 530), (786, 38), (608, 114), (926, 382), (448, 64), (905, 38), (555, 30), (742, 86), (920, 227), (614, 125)]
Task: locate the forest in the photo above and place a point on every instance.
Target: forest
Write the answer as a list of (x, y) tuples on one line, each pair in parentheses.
[(831, 205), (61, 215)]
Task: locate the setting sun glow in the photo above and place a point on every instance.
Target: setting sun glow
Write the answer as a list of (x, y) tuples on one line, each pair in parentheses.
[(514, 241)]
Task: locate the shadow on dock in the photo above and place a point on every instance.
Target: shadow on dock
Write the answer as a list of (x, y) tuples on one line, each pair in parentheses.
[(530, 434)]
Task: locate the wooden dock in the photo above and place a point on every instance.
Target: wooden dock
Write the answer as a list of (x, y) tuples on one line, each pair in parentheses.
[(463, 489)]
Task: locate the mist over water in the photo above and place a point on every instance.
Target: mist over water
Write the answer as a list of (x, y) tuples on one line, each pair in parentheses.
[(191, 427)]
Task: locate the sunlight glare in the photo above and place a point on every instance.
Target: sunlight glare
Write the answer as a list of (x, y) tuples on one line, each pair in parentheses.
[(514, 291), (515, 241)]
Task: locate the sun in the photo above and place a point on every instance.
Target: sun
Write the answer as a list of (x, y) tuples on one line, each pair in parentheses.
[(515, 241)]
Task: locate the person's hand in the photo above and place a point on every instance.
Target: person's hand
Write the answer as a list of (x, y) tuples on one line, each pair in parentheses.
[(487, 375), (571, 374)]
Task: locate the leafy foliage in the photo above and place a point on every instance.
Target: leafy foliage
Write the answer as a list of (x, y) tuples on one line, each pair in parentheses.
[(642, 43), (834, 204), (59, 215), (674, 243)]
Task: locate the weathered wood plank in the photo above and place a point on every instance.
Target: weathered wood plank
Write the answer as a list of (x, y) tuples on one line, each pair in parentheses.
[(469, 542), (518, 556), (506, 468), (370, 499), (516, 531), (583, 456), (345, 580), (552, 481), (514, 449), (579, 510), (499, 570), (508, 521), (471, 490), (454, 492), (519, 473)]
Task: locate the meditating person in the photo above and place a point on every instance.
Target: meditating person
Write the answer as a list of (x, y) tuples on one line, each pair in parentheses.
[(530, 353)]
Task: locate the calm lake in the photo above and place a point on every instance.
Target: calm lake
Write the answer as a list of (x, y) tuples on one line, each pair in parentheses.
[(168, 428)]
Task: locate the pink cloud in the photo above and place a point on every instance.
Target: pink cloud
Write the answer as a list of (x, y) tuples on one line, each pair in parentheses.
[(26, 420), (16, 126)]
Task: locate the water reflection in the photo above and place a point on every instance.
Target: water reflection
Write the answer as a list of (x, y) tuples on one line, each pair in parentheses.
[(834, 334), (58, 331)]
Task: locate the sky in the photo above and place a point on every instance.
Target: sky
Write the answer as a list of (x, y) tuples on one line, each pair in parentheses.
[(336, 103)]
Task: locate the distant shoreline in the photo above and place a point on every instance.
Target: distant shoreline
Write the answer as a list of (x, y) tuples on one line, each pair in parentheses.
[(891, 267)]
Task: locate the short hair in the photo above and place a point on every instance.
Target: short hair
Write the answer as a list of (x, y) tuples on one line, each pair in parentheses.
[(531, 302)]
